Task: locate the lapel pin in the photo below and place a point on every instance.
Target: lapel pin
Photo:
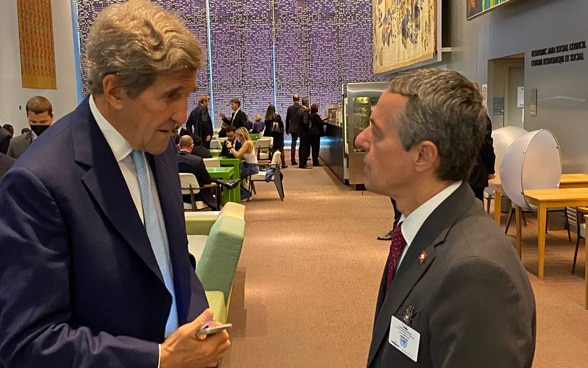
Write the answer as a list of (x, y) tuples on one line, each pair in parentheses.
[(422, 257)]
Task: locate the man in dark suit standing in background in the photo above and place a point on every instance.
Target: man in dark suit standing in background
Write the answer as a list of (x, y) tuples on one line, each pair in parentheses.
[(303, 133), (94, 262), (238, 118), (293, 123), (40, 116), (454, 292), (199, 122)]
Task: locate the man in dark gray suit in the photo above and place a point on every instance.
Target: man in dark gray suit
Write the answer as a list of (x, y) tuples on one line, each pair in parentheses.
[(40, 116), (293, 124), (453, 292), (238, 118), (199, 122)]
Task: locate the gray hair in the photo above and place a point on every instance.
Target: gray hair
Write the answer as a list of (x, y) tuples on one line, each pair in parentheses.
[(138, 40), (443, 107)]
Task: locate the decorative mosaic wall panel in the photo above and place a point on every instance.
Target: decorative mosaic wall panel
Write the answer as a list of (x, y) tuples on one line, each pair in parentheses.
[(193, 12), (319, 45)]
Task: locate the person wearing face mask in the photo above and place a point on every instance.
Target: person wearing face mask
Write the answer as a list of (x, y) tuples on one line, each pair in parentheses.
[(40, 115)]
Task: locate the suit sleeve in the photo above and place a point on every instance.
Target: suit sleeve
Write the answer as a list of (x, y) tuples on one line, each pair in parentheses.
[(288, 117), (202, 174), (36, 319), (480, 318), (10, 151), (206, 124), (242, 121), (190, 123)]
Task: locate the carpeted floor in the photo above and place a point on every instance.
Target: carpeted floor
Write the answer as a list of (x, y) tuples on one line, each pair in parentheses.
[(308, 276)]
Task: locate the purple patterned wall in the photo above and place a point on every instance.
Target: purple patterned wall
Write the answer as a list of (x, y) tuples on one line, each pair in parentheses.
[(319, 45)]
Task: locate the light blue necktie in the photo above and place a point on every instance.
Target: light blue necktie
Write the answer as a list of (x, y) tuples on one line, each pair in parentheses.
[(156, 237)]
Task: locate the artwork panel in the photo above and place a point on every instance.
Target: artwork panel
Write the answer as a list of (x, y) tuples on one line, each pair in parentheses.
[(404, 33)]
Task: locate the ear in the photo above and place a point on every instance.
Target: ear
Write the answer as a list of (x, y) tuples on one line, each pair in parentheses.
[(428, 156), (113, 91)]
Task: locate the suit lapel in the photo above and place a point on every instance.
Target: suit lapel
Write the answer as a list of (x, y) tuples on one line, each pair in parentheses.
[(104, 181), (431, 234)]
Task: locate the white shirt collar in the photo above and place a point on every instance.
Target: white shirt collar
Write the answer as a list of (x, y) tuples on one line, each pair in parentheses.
[(413, 223), (118, 144)]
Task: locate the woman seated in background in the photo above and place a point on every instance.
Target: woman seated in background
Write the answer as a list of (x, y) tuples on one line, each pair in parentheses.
[(258, 125), (274, 127), (315, 132), (247, 153)]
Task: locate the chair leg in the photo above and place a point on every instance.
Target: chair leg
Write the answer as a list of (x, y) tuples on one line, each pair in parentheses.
[(510, 214), (576, 253), (568, 224), (279, 187)]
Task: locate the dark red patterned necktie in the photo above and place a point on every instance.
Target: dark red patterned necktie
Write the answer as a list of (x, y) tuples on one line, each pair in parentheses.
[(396, 248)]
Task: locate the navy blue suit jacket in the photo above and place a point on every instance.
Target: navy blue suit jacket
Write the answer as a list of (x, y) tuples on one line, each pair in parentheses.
[(79, 283)]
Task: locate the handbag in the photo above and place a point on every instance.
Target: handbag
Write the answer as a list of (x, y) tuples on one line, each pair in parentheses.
[(276, 127)]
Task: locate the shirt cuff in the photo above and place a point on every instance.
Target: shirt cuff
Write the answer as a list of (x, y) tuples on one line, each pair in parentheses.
[(159, 356)]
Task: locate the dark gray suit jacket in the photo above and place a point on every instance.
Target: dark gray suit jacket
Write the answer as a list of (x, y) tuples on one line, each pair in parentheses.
[(471, 298), (19, 144)]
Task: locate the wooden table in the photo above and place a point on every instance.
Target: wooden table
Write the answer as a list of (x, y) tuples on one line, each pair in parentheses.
[(544, 199), (566, 181)]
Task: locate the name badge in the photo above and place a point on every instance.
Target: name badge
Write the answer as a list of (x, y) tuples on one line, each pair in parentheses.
[(404, 338)]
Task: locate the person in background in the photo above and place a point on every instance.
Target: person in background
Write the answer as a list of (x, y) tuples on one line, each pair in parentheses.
[(315, 131), (294, 116), (40, 116), (258, 124), (303, 134), (247, 154), (231, 137), (10, 129), (6, 133), (199, 122), (483, 169), (25, 130), (274, 127), (238, 118), (198, 149), (94, 262), (454, 292), (192, 164), (177, 133)]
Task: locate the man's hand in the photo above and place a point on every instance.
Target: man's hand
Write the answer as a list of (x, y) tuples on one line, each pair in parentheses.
[(185, 348), (222, 115), (208, 137)]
